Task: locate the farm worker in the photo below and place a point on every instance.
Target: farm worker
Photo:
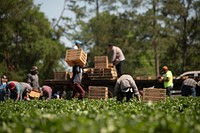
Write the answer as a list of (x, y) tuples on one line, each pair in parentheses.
[(198, 89), (188, 87), (46, 92), (77, 44), (33, 78), (18, 90), (125, 86), (168, 80), (26, 89), (15, 90), (117, 58), (77, 72), (3, 91), (76, 82)]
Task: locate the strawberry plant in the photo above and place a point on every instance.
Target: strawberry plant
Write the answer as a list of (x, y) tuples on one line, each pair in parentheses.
[(181, 114)]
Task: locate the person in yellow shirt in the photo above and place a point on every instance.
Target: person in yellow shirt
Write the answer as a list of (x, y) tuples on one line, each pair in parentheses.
[(168, 80)]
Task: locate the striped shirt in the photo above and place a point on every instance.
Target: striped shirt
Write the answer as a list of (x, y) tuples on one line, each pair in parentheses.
[(190, 82)]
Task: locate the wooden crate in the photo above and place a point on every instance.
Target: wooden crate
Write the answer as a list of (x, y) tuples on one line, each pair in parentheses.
[(76, 57), (34, 94), (101, 61), (155, 94), (102, 73), (60, 75), (98, 92)]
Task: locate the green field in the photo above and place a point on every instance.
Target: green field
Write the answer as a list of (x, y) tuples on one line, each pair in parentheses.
[(177, 115)]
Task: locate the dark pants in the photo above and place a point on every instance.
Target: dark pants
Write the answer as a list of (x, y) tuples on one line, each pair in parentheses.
[(197, 91), (121, 95), (168, 91), (2, 95), (119, 68), (188, 91), (77, 88)]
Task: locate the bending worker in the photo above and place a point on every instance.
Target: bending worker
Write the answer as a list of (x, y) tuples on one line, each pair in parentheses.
[(188, 87), (125, 86)]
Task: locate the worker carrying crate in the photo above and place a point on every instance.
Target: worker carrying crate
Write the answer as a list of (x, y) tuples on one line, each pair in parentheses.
[(77, 59)]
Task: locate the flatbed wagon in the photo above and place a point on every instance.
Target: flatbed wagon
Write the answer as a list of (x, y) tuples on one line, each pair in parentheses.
[(64, 85)]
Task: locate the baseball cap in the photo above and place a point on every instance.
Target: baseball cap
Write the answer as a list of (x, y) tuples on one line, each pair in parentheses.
[(34, 68), (77, 42), (11, 85), (165, 68)]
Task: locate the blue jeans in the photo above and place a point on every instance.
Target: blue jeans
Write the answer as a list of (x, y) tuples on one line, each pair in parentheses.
[(188, 91)]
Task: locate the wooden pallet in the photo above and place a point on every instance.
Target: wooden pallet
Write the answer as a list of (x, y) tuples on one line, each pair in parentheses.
[(155, 94), (102, 73), (76, 57), (101, 65), (102, 78), (97, 92), (101, 70)]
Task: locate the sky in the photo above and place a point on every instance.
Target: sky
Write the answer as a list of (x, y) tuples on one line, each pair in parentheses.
[(52, 9)]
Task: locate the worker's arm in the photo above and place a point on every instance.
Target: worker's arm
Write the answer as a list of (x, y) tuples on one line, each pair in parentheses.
[(167, 79), (28, 79), (48, 96), (117, 87), (76, 69), (135, 89), (17, 98), (138, 97), (114, 53)]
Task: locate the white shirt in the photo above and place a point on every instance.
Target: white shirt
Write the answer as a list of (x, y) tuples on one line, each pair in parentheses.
[(118, 55)]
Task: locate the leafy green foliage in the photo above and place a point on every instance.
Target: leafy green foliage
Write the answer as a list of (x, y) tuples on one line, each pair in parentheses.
[(175, 115), (26, 39)]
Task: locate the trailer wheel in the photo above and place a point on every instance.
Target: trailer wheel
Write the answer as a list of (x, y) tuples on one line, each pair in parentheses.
[(111, 91), (110, 94)]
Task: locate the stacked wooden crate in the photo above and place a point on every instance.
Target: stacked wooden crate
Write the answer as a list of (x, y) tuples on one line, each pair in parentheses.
[(76, 57), (103, 70), (60, 75), (102, 73), (98, 92), (101, 61), (155, 94)]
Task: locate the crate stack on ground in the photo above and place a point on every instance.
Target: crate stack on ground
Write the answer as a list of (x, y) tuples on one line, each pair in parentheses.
[(98, 92), (103, 70), (76, 57), (155, 94)]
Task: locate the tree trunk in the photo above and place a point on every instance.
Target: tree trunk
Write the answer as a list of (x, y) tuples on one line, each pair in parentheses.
[(154, 43)]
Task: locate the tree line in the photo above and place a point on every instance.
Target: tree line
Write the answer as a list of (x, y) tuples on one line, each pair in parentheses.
[(151, 33)]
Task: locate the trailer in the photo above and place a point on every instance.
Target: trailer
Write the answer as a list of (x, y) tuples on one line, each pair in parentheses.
[(64, 85)]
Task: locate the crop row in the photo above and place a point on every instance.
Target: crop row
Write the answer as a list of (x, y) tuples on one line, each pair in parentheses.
[(181, 114)]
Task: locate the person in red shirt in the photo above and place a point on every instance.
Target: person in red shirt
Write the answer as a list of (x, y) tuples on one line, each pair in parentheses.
[(46, 92)]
